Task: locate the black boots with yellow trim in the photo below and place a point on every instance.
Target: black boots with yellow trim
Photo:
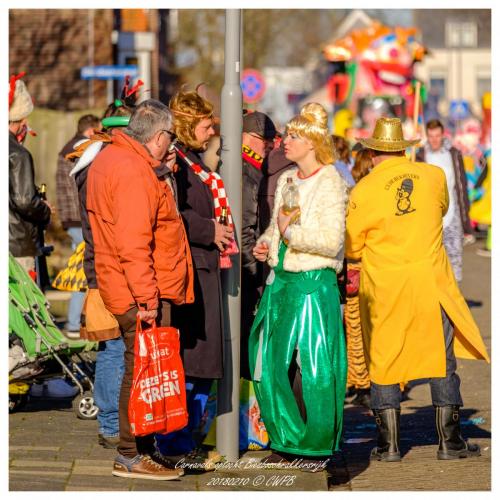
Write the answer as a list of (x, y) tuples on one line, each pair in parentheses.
[(451, 443)]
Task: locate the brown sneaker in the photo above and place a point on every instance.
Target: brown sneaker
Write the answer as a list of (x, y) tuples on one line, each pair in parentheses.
[(143, 467)]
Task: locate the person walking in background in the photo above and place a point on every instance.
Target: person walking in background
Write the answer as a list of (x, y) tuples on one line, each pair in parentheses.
[(344, 160), (69, 210), (200, 323), (414, 319), (456, 223), (358, 379), (297, 346), (258, 137), (142, 258), (27, 210)]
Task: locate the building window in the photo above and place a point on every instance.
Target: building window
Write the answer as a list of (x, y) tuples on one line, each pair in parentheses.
[(469, 35), (437, 86), (483, 85), (452, 34), (461, 35)]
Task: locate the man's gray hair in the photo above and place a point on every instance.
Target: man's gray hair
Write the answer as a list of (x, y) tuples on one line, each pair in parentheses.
[(147, 119)]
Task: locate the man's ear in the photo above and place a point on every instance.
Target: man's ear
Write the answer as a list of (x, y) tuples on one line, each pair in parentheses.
[(157, 139)]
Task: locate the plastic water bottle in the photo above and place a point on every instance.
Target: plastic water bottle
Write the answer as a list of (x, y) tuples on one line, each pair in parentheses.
[(291, 198)]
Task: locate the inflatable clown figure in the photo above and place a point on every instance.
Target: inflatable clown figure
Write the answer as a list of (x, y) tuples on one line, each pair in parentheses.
[(374, 72)]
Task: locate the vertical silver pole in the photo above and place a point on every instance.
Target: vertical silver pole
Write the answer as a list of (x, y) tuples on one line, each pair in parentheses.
[(90, 53), (228, 394)]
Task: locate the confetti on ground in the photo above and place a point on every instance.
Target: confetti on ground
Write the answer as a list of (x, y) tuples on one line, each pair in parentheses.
[(473, 421), (357, 440), (366, 426)]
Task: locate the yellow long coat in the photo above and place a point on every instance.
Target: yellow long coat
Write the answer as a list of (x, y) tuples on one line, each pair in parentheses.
[(394, 225)]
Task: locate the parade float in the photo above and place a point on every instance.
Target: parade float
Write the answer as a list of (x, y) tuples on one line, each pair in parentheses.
[(373, 75)]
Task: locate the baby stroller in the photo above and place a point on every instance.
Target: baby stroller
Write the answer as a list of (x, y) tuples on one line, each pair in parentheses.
[(39, 351)]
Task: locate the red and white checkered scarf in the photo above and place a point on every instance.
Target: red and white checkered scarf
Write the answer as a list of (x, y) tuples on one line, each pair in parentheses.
[(214, 181)]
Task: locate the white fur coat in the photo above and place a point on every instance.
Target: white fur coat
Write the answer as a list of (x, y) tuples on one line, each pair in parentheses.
[(318, 242)]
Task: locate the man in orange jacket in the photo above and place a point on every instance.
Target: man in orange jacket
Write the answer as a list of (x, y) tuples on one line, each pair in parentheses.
[(142, 257)]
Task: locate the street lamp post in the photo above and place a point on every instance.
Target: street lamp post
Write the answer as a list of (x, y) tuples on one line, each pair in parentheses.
[(228, 394)]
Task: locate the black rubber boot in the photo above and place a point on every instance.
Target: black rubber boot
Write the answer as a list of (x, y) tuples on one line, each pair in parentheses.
[(451, 443), (387, 449)]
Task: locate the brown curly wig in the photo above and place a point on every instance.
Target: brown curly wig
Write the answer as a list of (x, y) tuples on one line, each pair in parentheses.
[(189, 109)]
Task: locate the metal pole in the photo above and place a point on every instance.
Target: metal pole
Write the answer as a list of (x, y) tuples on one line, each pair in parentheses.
[(228, 393), (90, 53)]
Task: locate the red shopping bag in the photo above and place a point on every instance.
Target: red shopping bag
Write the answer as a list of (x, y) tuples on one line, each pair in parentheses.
[(158, 394)]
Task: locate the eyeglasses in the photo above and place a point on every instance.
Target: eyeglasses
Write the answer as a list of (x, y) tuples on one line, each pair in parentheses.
[(172, 136), (263, 139)]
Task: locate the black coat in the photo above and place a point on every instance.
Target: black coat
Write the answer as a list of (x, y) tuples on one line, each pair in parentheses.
[(250, 224), (251, 268), (200, 323), (88, 257), (27, 211)]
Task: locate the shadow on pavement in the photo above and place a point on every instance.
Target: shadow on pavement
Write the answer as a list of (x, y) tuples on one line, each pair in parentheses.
[(474, 303), (36, 404), (417, 430)]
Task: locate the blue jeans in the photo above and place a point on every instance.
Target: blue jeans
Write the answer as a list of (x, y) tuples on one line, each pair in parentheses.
[(444, 390), (182, 441), (76, 301), (109, 368)]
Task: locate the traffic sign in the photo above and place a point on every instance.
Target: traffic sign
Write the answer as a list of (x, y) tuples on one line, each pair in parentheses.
[(116, 72), (253, 85), (459, 109)]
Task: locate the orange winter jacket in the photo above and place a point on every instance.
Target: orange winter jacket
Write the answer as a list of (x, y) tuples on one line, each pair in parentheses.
[(140, 244)]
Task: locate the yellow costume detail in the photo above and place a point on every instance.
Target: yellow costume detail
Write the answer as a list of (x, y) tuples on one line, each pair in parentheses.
[(72, 277), (406, 276)]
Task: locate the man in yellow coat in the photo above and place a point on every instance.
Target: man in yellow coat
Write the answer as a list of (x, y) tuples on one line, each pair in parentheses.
[(414, 319)]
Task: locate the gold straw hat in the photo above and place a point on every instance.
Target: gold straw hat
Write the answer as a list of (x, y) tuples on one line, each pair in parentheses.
[(387, 136)]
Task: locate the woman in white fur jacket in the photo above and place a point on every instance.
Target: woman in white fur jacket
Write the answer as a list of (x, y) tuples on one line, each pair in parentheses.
[(296, 348)]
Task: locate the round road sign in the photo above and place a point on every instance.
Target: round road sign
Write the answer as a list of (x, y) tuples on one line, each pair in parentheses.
[(252, 85)]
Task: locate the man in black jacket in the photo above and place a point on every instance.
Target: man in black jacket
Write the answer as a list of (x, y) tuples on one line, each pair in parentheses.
[(200, 323), (27, 210), (258, 137)]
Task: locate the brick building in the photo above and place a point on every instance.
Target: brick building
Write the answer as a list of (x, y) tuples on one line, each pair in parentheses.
[(51, 45)]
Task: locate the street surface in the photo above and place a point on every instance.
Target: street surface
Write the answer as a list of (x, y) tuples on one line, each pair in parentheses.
[(51, 449)]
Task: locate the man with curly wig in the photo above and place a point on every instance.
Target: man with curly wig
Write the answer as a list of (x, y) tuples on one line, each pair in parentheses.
[(200, 323)]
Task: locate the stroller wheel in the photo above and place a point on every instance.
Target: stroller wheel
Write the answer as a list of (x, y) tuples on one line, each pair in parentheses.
[(85, 407), (17, 401)]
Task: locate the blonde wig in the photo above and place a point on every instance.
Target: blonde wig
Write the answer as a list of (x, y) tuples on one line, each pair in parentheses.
[(189, 109), (312, 124)]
